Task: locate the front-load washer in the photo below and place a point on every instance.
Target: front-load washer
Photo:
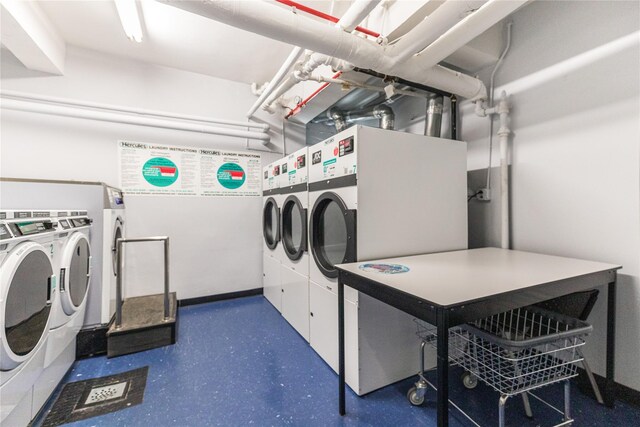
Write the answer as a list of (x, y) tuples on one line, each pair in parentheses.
[(72, 264), (271, 234), (294, 276), (27, 282), (113, 229), (373, 194)]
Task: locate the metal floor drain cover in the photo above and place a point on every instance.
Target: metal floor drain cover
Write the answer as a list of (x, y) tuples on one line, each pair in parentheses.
[(97, 396), (108, 392)]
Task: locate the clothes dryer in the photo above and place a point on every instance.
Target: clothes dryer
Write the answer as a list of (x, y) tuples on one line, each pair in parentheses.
[(271, 234), (376, 193), (27, 282), (294, 276), (113, 228)]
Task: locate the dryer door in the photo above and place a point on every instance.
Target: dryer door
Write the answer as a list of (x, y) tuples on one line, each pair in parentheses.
[(118, 233), (270, 223), (26, 281), (294, 228), (75, 272), (333, 233)]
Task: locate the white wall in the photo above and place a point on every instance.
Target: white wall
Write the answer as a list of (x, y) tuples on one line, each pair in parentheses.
[(575, 156), (222, 251)]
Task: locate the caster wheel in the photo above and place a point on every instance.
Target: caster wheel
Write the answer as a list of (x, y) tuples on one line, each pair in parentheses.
[(469, 380), (414, 398)]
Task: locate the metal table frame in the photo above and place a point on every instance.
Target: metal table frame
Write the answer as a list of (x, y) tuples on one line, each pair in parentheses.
[(445, 317)]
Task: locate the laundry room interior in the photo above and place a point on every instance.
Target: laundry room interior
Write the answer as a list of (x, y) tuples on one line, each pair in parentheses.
[(320, 212)]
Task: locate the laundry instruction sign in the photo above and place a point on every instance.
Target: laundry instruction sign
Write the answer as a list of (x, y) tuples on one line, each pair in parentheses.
[(154, 169)]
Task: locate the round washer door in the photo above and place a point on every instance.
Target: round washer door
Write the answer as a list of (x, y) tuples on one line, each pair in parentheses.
[(294, 228), (333, 233), (75, 273), (271, 223), (25, 280), (118, 233)]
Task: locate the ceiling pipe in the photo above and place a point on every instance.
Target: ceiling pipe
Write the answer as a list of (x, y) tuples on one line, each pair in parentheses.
[(382, 112), (126, 118), (19, 96), (280, 24), (277, 78)]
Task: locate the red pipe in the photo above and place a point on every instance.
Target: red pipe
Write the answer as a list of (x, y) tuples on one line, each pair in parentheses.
[(323, 15), (304, 102)]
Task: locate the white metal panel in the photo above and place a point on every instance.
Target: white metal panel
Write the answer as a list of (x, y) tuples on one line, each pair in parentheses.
[(297, 168), (295, 300), (271, 281), (323, 335), (327, 161), (412, 193)]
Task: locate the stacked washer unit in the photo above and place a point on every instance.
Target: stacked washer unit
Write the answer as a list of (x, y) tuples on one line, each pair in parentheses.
[(373, 194), (113, 229), (271, 255), (73, 269), (27, 284), (294, 276)]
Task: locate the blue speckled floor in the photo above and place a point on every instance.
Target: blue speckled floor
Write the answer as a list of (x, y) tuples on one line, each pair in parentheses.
[(239, 363)]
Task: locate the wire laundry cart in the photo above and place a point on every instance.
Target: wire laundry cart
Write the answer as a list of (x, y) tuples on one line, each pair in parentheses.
[(513, 352)]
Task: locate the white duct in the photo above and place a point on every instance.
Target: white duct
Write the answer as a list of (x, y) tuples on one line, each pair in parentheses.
[(126, 118), (283, 25), (503, 134), (19, 96)]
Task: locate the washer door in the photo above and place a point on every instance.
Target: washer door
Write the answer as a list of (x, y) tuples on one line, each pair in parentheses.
[(271, 223), (294, 228), (333, 233), (118, 233), (26, 279), (75, 273)]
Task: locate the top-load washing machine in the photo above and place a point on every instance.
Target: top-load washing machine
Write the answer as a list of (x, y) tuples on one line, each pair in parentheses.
[(376, 193), (271, 255), (27, 283), (113, 229), (294, 276)]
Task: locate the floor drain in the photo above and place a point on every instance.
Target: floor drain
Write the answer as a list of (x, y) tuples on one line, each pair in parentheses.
[(108, 392)]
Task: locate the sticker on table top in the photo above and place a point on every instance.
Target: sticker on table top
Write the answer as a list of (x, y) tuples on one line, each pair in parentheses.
[(384, 268)]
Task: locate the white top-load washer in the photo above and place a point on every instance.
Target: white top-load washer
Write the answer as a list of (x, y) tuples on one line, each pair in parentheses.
[(294, 276), (27, 282), (373, 194), (113, 229), (271, 234)]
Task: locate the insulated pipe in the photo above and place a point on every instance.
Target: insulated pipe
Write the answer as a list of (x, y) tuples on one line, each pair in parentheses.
[(503, 134), (291, 59), (19, 96), (433, 26), (466, 30), (280, 24), (356, 13), (107, 116)]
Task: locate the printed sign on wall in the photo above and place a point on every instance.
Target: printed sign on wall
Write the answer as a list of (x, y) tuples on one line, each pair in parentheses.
[(152, 169)]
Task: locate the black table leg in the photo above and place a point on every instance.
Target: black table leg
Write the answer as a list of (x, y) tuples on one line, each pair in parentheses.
[(443, 367), (341, 347), (609, 389)]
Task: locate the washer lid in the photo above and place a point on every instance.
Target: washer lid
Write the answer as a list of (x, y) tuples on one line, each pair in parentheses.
[(26, 280)]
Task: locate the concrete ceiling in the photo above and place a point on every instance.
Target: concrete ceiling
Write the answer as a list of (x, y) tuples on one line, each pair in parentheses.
[(172, 38)]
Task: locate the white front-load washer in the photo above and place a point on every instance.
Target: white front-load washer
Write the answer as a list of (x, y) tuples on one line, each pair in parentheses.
[(113, 229), (294, 276), (271, 234), (27, 282)]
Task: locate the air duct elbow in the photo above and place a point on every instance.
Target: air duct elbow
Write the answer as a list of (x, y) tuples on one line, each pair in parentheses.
[(337, 116), (386, 116)]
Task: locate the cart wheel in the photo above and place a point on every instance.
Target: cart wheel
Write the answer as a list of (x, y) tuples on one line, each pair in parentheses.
[(414, 397), (469, 380)]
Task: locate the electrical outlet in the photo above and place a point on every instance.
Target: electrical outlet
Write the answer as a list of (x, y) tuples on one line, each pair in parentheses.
[(484, 195)]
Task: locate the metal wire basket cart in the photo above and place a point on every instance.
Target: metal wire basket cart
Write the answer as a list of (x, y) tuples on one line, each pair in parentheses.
[(513, 352)]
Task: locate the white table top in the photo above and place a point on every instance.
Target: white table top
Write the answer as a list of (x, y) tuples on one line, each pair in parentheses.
[(452, 278)]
